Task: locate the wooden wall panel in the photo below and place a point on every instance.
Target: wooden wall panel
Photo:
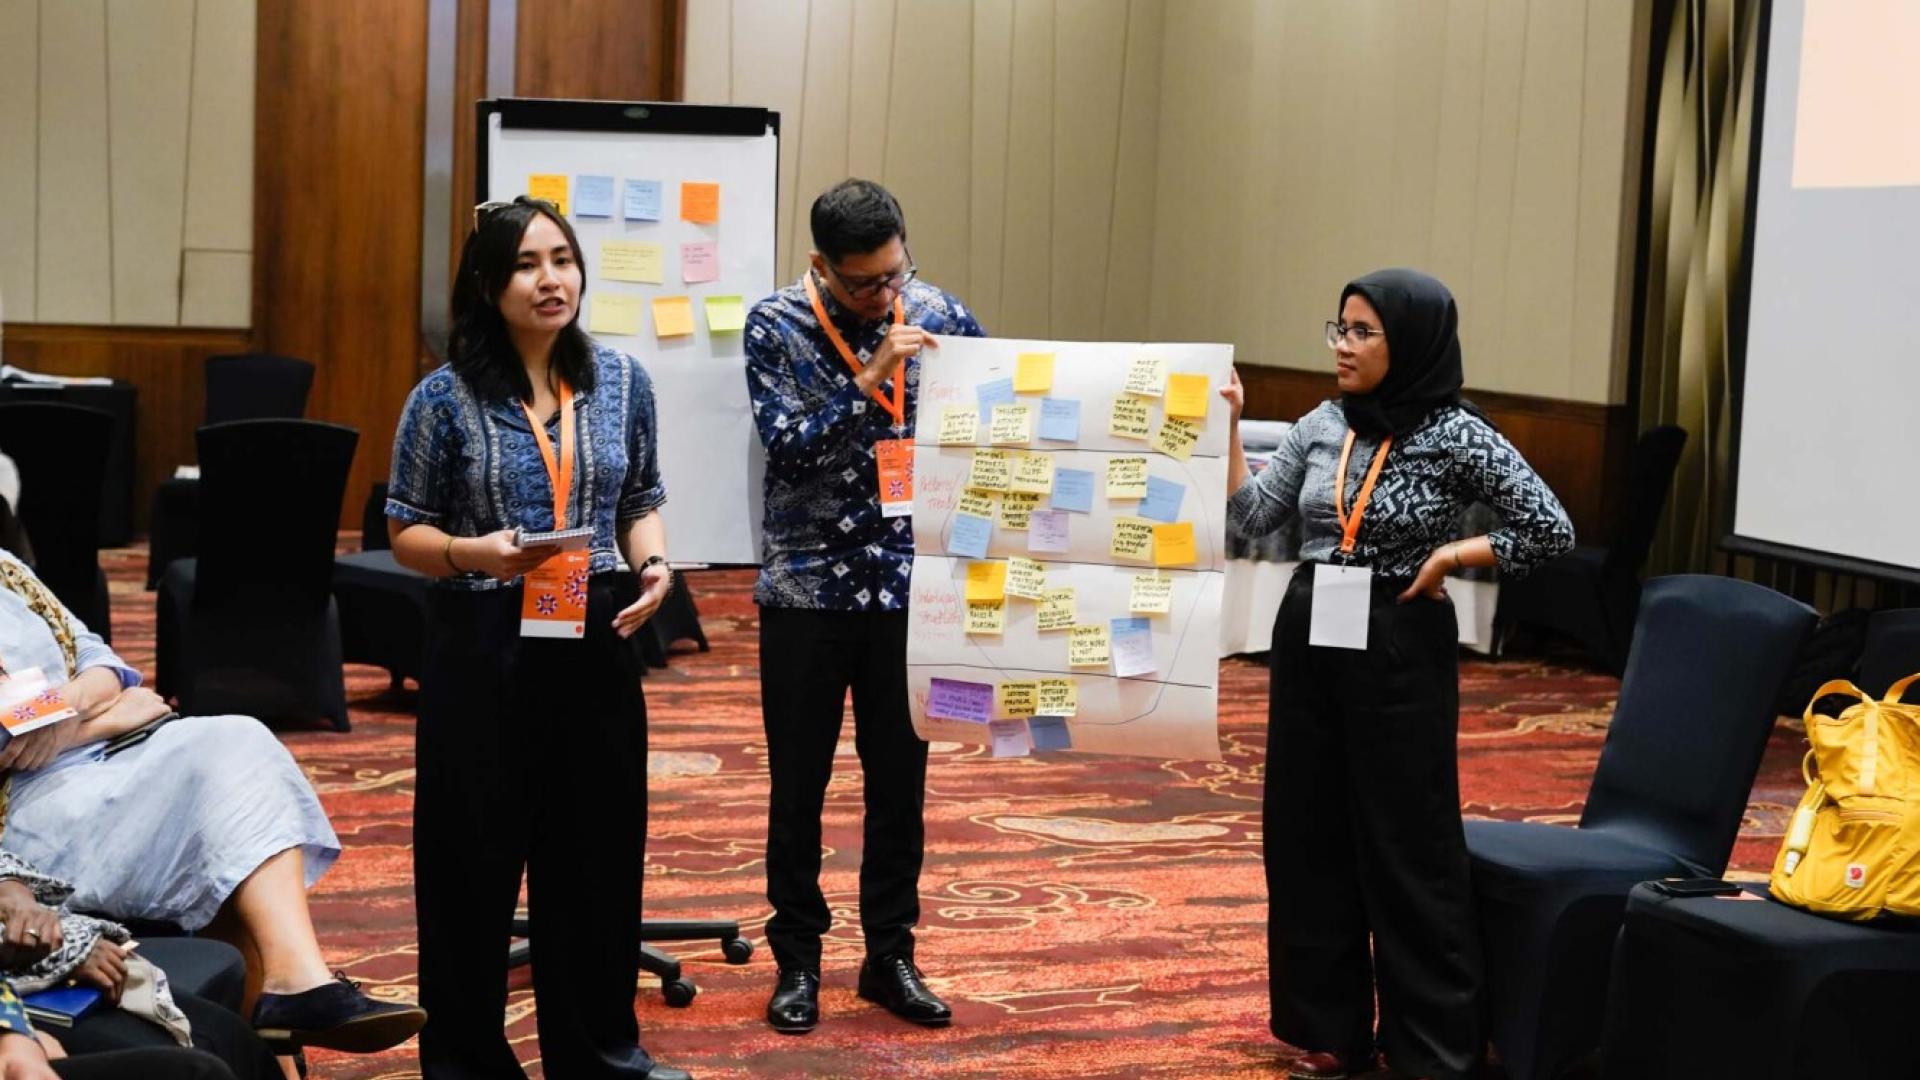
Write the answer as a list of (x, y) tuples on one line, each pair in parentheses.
[(1579, 449), (613, 50), (166, 366), (149, 74), (20, 164), (339, 161), (75, 257)]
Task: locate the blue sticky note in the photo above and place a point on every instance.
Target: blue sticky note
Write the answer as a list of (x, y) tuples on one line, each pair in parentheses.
[(1163, 500), (997, 392), (1049, 733), (593, 196), (1060, 419), (1073, 490), (970, 536), (643, 200)]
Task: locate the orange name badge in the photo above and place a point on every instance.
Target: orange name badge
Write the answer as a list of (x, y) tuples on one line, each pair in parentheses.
[(555, 602), (895, 458), (27, 703)]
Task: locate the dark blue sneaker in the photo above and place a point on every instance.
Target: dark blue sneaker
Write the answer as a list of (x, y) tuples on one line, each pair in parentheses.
[(336, 1016)]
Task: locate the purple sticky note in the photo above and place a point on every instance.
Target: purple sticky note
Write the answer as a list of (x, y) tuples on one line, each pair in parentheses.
[(1049, 733), (1047, 530), (951, 699), (700, 262)]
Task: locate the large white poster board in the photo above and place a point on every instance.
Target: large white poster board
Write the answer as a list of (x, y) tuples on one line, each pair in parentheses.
[(1142, 550), (669, 281)]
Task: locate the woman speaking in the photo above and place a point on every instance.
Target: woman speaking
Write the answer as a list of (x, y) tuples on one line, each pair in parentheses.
[(532, 737)]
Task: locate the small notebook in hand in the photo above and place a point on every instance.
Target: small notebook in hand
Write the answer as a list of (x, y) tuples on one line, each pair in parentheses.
[(61, 1006), (564, 539)]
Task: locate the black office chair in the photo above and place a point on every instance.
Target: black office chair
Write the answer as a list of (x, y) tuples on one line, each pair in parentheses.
[(250, 626), (61, 452), (245, 386), (1694, 714), (674, 986), (1892, 650), (1592, 594)]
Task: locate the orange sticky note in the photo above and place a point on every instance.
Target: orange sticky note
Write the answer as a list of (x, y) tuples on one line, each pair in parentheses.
[(1187, 396), (549, 186), (672, 316), (700, 202), (1173, 544), (986, 582)]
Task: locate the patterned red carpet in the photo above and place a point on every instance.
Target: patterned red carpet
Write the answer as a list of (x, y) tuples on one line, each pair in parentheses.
[(1087, 917)]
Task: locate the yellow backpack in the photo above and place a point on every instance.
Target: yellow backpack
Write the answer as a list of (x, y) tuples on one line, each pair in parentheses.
[(1853, 850)]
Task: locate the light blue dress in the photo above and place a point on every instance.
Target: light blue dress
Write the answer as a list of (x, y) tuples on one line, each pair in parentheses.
[(164, 830)]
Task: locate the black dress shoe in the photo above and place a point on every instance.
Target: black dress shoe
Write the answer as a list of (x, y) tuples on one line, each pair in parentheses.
[(893, 981), (794, 1008), (667, 1072)]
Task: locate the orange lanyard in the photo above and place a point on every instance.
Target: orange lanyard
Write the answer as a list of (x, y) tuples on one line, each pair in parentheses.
[(560, 476), (1350, 526), (897, 408)]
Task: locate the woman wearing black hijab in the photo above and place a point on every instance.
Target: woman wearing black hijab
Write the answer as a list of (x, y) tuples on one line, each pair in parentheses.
[(1362, 837)]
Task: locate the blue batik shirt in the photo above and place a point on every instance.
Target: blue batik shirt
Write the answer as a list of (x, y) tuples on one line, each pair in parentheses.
[(472, 467), (826, 545)]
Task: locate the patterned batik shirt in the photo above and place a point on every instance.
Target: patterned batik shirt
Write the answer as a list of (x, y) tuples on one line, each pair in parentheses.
[(1453, 459), (472, 467), (13, 1014), (826, 545)]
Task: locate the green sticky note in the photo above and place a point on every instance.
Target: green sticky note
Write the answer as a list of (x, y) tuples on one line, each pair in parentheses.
[(726, 315)]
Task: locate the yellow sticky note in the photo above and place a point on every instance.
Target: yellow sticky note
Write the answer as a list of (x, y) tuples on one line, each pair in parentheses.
[(1016, 700), (726, 314), (632, 260), (551, 187), (1127, 478), (1187, 396), (986, 581), (1151, 594), (672, 316), (1033, 473), (1088, 646), (1033, 373), (987, 617), (991, 471), (1173, 544), (1026, 578), (1057, 697), (1056, 609), (1177, 438), (1132, 418), (1016, 510), (1147, 377), (700, 202), (958, 426), (1132, 539), (613, 314), (973, 502), (1011, 424)]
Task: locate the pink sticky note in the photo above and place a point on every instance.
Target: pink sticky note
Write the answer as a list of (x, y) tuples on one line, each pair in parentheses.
[(700, 262)]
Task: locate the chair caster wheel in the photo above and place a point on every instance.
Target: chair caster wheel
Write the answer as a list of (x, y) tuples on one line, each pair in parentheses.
[(736, 950), (679, 993)]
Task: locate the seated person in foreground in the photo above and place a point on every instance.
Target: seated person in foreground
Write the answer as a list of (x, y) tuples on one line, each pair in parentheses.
[(207, 824)]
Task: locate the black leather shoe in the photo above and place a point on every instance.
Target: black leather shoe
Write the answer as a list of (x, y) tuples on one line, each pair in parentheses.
[(894, 981), (794, 1008), (667, 1072)]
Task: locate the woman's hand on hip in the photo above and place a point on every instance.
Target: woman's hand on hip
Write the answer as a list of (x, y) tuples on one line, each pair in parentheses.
[(1431, 582), (655, 580), (496, 555)]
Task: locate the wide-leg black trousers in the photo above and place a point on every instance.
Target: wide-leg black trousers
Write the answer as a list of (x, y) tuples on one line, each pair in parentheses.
[(532, 754), (1366, 860)]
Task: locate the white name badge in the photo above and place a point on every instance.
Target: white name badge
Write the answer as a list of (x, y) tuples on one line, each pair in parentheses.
[(1342, 597)]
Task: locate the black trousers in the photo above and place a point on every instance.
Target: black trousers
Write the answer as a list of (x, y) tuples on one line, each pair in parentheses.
[(532, 753), (808, 662), (174, 1064), (217, 1032), (1362, 839)]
